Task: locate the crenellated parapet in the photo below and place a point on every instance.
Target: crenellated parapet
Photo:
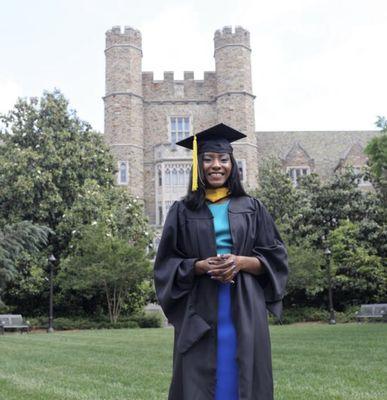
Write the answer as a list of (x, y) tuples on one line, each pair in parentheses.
[(171, 89), (228, 37), (126, 37)]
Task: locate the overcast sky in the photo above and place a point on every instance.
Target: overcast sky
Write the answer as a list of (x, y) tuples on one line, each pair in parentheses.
[(316, 64)]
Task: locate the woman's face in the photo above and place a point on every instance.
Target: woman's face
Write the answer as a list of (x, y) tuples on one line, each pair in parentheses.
[(217, 168)]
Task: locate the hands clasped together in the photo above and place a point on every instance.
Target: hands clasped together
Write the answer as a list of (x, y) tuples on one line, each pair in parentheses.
[(222, 268)]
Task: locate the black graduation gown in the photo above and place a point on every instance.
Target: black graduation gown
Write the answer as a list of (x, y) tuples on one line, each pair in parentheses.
[(190, 301)]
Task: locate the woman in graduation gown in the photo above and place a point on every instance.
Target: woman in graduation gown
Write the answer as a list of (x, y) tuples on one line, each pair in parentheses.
[(220, 265)]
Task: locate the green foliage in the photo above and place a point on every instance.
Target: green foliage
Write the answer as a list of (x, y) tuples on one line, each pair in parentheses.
[(296, 314), (306, 274), (57, 172), (112, 206), (123, 218), (359, 272), (46, 156), (377, 152), (102, 261), (323, 205), (373, 232), (16, 240), (292, 315), (139, 320), (75, 323), (148, 320), (307, 215), (276, 191)]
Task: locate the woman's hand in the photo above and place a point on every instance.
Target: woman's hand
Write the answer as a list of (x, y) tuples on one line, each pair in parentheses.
[(222, 268), (225, 266), (225, 269), (204, 266)]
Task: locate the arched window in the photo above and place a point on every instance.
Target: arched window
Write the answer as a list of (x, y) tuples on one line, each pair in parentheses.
[(122, 172), (242, 169), (167, 176), (159, 176), (181, 176), (187, 174), (174, 176), (160, 214)]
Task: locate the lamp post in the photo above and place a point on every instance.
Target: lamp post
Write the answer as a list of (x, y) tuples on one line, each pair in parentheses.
[(332, 318), (51, 261)]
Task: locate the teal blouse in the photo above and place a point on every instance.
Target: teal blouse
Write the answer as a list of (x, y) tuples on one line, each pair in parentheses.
[(222, 227)]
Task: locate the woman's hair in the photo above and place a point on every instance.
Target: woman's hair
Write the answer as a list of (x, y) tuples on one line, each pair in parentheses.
[(195, 200)]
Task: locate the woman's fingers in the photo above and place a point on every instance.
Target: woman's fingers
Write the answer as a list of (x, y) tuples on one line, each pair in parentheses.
[(229, 274), (218, 260), (224, 276), (220, 269), (223, 265)]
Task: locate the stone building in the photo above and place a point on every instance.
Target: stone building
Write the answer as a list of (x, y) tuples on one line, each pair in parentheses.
[(145, 117)]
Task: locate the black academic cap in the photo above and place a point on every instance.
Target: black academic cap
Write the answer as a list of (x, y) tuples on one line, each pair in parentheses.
[(216, 139)]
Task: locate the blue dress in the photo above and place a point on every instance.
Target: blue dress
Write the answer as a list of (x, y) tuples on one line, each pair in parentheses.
[(227, 367)]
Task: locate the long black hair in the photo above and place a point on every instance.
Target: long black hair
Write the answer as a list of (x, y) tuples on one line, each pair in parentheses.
[(195, 200)]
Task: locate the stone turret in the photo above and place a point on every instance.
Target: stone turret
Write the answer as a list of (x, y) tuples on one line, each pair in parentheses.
[(124, 103), (234, 98)]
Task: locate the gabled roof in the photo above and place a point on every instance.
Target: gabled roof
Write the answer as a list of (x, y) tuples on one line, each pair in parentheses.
[(297, 155), (353, 155)]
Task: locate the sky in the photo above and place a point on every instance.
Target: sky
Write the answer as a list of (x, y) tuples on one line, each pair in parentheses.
[(316, 64)]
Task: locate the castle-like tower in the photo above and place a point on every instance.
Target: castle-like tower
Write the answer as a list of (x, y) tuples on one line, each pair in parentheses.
[(144, 118), (124, 107), (234, 97)]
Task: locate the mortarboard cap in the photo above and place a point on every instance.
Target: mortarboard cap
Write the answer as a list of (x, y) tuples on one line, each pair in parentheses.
[(216, 139)]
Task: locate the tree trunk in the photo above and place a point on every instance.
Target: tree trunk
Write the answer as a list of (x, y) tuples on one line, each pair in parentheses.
[(109, 302)]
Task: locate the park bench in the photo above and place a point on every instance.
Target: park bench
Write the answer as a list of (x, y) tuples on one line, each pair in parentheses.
[(14, 322), (372, 311)]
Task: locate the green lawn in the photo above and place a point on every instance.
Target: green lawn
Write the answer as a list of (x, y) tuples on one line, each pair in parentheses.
[(311, 362)]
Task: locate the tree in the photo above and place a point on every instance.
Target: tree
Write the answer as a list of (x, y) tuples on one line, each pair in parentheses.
[(276, 191), (323, 205), (121, 213), (377, 152), (113, 206), (102, 261), (306, 278), (359, 272), (46, 156), (15, 240), (307, 216)]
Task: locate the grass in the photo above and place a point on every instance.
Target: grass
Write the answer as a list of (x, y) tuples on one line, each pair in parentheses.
[(310, 362)]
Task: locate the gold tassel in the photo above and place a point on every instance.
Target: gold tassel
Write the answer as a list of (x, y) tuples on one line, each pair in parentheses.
[(195, 165)]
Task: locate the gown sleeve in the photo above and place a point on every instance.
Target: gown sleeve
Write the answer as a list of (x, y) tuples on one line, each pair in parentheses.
[(270, 250), (174, 273)]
